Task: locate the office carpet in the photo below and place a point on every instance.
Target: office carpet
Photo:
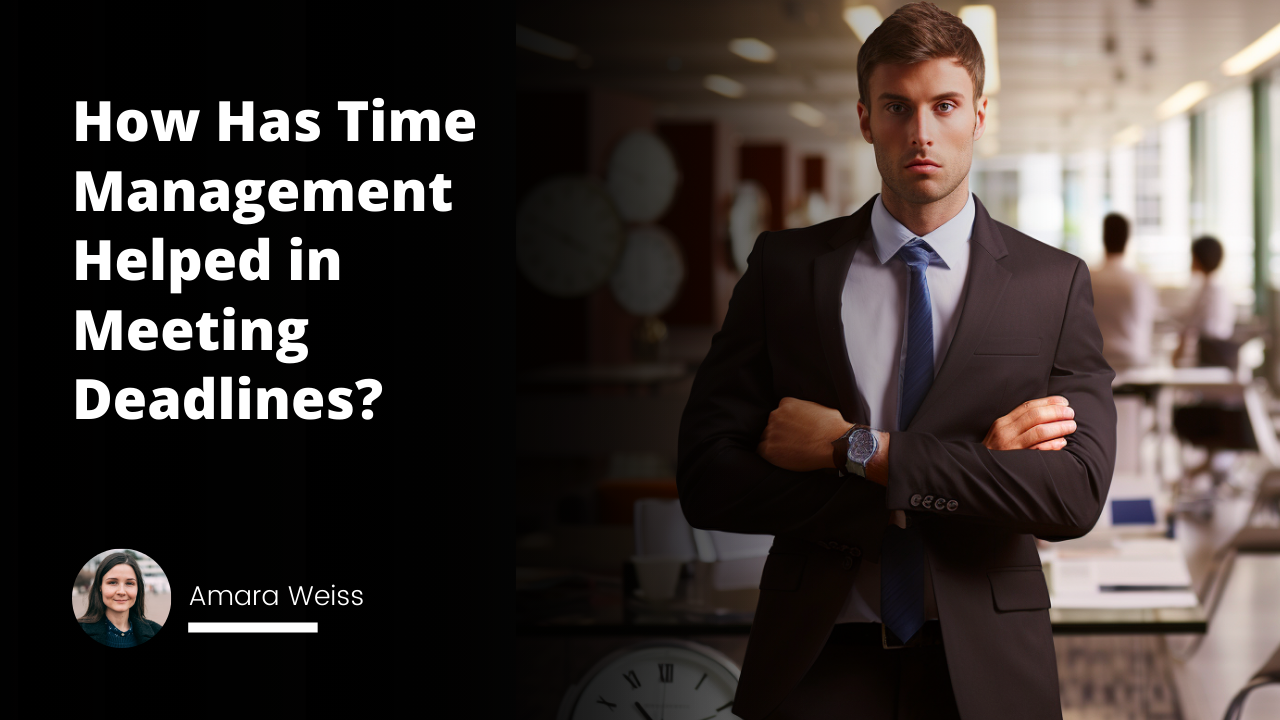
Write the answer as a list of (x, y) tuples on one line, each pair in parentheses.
[(1115, 677)]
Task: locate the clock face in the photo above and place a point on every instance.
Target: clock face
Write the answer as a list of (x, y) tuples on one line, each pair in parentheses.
[(669, 680), (568, 236), (642, 177), (747, 220), (648, 277)]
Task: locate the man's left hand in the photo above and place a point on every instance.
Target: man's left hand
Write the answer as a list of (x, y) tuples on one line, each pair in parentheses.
[(799, 434)]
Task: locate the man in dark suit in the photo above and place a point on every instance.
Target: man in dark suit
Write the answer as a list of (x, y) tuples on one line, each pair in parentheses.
[(905, 398)]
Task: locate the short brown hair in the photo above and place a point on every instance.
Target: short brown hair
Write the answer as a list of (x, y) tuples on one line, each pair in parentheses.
[(915, 33), (1208, 251), (1115, 233)]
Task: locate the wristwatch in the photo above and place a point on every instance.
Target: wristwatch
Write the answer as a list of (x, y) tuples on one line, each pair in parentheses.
[(854, 449)]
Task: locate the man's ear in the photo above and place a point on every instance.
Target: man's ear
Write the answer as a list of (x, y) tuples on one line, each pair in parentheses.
[(864, 121), (980, 123)]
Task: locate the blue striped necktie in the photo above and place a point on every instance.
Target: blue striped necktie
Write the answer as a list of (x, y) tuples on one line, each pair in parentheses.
[(902, 552)]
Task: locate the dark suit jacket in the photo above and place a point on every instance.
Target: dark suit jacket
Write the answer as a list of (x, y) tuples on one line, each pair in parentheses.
[(1026, 330)]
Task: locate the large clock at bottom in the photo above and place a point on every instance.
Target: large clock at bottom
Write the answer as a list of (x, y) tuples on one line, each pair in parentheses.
[(658, 680)]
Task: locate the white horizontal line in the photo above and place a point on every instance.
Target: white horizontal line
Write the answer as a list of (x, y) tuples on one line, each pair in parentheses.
[(253, 627)]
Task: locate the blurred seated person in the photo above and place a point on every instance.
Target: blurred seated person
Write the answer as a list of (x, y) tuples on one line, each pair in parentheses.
[(1210, 321), (1218, 421), (1123, 301)]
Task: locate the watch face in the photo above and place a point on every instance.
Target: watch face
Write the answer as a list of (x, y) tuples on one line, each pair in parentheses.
[(675, 680), (862, 445)]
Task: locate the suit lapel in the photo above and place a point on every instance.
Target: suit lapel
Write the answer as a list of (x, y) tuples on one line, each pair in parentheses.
[(829, 273), (982, 291)]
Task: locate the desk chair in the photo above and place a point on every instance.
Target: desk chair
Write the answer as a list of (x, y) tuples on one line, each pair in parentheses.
[(1269, 674), (1214, 424), (1260, 535)]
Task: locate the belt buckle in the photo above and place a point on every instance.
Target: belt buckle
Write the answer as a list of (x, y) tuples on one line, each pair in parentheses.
[(913, 642)]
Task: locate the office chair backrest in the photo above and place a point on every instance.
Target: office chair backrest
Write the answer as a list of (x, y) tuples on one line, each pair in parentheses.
[(1219, 353)]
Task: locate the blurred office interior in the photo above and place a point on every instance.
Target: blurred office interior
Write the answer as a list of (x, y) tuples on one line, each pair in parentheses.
[(656, 140)]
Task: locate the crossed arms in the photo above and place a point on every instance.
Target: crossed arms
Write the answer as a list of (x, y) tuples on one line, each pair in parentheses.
[(750, 463)]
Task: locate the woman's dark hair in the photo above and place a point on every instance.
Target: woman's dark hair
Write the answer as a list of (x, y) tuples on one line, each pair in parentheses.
[(1115, 233), (97, 610), (1208, 251)]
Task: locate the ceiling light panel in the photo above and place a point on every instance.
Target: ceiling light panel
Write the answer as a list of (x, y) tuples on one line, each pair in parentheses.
[(753, 49), (722, 85), (862, 19)]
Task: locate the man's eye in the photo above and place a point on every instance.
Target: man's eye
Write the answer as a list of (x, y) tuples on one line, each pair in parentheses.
[(949, 107)]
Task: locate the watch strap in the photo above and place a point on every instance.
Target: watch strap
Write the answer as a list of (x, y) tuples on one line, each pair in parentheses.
[(840, 451)]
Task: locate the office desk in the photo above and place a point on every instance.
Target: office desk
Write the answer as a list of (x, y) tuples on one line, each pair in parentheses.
[(1072, 621), (613, 618), (1124, 555), (1164, 381)]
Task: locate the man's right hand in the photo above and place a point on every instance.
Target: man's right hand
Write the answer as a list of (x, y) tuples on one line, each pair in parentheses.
[(1041, 424)]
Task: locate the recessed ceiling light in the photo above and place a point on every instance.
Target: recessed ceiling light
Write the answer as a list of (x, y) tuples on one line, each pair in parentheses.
[(753, 50), (1131, 135), (862, 19), (722, 85), (807, 114), (544, 44), (1258, 52), (1183, 100)]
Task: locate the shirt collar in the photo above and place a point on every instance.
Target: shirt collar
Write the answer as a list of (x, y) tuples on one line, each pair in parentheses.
[(948, 241)]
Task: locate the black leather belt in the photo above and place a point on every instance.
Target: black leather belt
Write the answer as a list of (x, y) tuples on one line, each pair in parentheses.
[(875, 634)]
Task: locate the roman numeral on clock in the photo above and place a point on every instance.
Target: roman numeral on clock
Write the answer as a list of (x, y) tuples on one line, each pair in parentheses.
[(606, 703), (666, 671), (633, 679)]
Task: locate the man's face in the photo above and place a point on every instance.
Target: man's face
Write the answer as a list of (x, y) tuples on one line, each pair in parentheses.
[(922, 121)]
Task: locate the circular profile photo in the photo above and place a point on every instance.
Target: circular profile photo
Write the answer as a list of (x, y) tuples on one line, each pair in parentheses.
[(121, 598)]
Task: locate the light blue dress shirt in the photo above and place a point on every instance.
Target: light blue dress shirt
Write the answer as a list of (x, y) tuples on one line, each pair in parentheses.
[(873, 311)]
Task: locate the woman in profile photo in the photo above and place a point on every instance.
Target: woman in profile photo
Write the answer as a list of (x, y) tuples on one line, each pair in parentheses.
[(117, 609)]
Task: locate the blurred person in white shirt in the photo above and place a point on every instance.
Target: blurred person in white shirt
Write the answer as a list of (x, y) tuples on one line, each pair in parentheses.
[(1211, 314), (1123, 301)]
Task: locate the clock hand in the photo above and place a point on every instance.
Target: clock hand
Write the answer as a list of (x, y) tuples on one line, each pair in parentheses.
[(642, 712)]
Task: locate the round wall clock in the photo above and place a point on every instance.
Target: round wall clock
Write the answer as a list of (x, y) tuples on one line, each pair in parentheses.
[(642, 177), (568, 236), (648, 276), (747, 219), (656, 680)]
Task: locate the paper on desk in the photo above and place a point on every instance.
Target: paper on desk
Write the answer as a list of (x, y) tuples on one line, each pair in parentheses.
[(1124, 600), (1078, 580)]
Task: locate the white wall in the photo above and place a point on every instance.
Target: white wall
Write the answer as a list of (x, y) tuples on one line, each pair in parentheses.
[(1229, 204), (1121, 191), (1040, 197), (1092, 166)]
